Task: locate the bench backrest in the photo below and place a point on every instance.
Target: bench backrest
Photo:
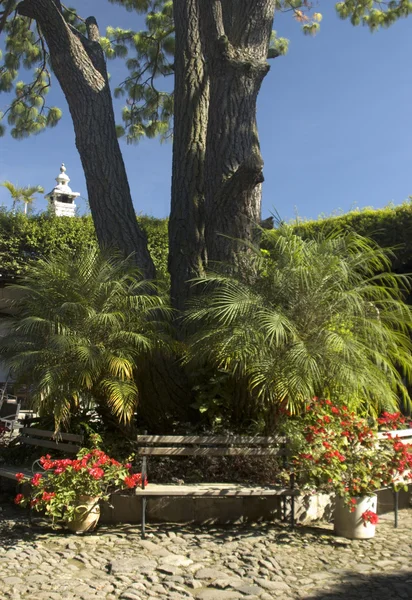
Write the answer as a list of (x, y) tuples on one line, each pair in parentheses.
[(192, 445), (66, 442), (10, 407)]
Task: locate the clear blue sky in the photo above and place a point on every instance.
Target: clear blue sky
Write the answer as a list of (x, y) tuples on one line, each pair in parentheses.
[(335, 123)]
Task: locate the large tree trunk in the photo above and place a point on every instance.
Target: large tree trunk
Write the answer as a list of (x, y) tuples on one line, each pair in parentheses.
[(235, 38), (186, 225), (79, 65)]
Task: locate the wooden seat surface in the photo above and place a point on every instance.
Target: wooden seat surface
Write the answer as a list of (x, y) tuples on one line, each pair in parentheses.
[(214, 489)]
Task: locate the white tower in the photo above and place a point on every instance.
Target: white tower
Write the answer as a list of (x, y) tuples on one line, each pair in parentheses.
[(62, 197)]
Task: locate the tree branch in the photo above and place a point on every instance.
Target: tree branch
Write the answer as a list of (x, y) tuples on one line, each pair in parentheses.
[(8, 9), (248, 175), (212, 17), (92, 29)]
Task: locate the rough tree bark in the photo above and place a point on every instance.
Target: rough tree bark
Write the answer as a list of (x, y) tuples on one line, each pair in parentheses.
[(186, 224), (235, 38), (79, 65)]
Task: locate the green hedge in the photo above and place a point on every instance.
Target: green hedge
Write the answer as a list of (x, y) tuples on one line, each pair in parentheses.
[(26, 237), (390, 227), (23, 238)]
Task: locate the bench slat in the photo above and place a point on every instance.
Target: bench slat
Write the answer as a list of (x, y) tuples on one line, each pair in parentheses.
[(216, 490), (48, 444), (397, 433), (69, 437), (212, 452), (210, 440), (10, 472)]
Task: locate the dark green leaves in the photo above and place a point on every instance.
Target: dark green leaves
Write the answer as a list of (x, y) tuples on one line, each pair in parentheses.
[(149, 109), (27, 113)]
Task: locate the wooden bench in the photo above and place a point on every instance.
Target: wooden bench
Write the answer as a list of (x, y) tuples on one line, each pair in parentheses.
[(208, 446), (65, 442)]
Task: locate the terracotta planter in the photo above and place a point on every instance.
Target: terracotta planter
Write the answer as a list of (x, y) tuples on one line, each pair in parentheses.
[(350, 524), (87, 515)]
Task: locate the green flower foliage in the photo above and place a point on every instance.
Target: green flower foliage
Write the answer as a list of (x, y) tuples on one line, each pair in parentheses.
[(341, 453), (372, 13), (68, 484), (27, 237)]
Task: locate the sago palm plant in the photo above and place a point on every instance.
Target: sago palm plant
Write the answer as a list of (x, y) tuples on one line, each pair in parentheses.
[(85, 324), (320, 317)]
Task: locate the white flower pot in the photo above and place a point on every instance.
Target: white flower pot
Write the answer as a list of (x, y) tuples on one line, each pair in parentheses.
[(87, 515), (350, 524)]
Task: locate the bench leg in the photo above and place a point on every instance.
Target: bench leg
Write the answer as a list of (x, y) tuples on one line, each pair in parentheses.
[(396, 503), (292, 501), (144, 500)]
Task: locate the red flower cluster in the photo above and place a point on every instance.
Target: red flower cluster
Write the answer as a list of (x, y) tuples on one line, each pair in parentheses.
[(334, 454), (343, 454), (369, 517), (392, 420), (48, 496), (91, 473), (96, 473), (91, 461), (36, 479), (402, 460), (132, 481)]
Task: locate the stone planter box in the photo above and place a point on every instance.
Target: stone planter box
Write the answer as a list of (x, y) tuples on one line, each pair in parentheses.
[(308, 509), (128, 509)]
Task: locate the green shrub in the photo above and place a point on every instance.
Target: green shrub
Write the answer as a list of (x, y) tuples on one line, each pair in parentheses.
[(390, 227), (25, 237)]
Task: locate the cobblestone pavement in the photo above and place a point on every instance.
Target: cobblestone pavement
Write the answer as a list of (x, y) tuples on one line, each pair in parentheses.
[(177, 563)]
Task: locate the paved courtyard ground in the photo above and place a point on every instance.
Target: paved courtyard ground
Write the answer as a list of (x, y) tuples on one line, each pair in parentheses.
[(217, 563)]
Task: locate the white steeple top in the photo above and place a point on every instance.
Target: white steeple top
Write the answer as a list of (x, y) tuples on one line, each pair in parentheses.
[(62, 196), (62, 177)]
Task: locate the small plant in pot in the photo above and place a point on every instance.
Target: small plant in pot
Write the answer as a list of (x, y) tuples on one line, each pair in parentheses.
[(69, 490), (339, 452)]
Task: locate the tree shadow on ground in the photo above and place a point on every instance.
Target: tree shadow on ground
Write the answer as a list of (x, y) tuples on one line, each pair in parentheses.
[(17, 524), (368, 587)]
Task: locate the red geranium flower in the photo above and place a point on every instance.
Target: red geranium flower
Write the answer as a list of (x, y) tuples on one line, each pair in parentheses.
[(96, 473), (48, 496), (36, 479), (133, 480), (370, 517), (18, 498)]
